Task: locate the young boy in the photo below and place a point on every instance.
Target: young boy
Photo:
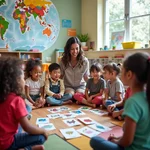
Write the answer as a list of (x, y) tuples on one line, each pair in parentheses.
[(54, 87)]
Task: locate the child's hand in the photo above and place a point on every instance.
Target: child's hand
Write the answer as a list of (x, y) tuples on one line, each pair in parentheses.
[(45, 134), (89, 99), (58, 96), (113, 139), (111, 108)]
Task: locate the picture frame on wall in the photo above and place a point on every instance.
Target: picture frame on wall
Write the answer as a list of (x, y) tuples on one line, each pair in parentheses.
[(116, 39)]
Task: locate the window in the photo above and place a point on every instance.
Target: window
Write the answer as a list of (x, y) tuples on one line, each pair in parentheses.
[(133, 16)]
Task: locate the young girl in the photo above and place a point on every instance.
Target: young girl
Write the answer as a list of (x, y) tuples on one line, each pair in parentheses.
[(94, 88), (34, 87), (115, 88), (136, 136), (13, 110)]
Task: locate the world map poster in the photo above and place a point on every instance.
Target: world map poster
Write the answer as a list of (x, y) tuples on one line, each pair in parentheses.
[(28, 24)]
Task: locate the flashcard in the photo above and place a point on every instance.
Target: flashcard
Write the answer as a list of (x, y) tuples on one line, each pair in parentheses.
[(54, 116), (42, 120), (64, 108), (70, 133), (100, 127), (54, 110), (71, 122), (86, 108), (48, 126), (86, 120), (77, 112), (88, 132), (68, 115), (98, 112)]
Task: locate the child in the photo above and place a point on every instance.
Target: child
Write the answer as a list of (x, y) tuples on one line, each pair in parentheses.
[(118, 113), (115, 88), (135, 74), (94, 88), (34, 87), (54, 87), (13, 110)]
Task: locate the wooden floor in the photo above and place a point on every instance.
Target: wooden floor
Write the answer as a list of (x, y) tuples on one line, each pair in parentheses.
[(59, 124)]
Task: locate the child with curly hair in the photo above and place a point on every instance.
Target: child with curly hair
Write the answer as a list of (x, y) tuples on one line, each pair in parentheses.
[(13, 110), (34, 86)]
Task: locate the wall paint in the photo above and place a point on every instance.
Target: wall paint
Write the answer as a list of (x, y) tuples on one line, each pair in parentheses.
[(67, 9), (92, 21)]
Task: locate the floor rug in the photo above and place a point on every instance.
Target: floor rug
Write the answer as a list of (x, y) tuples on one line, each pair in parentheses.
[(55, 142)]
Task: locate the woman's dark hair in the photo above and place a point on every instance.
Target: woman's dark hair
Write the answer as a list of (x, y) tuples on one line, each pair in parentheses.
[(53, 66), (31, 63), (97, 67), (112, 67), (66, 55), (10, 71), (139, 64)]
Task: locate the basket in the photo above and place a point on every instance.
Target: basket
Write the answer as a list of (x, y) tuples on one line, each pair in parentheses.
[(131, 45)]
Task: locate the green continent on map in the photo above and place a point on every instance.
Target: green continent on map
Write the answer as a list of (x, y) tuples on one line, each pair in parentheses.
[(2, 2), (3, 26)]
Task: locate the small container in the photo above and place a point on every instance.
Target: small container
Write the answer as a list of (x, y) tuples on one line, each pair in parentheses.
[(131, 45)]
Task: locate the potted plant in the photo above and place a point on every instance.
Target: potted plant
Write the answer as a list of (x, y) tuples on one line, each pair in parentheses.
[(83, 38)]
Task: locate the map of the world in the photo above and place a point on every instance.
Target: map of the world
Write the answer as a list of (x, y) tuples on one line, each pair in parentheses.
[(28, 24)]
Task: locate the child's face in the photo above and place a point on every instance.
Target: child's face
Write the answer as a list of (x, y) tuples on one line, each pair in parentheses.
[(95, 74), (74, 50), (124, 77), (107, 75), (36, 73), (55, 74)]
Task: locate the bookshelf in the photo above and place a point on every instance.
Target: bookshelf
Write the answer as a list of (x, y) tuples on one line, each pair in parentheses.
[(24, 55)]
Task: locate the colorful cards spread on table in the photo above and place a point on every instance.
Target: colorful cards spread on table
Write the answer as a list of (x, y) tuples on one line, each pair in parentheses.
[(100, 127), (42, 120), (98, 112), (86, 120), (54, 116), (48, 126), (72, 122)]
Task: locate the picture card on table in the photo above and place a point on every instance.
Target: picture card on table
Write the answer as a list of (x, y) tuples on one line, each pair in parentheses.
[(42, 120), (47, 126), (100, 127), (54, 110), (88, 132), (64, 108), (54, 116), (72, 122), (68, 115), (86, 120), (70, 133), (77, 112)]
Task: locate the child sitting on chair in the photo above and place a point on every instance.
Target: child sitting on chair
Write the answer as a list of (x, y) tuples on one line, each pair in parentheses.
[(54, 87), (94, 88), (34, 86)]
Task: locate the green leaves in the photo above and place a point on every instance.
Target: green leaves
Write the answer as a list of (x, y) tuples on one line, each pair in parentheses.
[(83, 37)]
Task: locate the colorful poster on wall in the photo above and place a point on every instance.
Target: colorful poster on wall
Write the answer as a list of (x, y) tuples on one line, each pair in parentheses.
[(28, 24), (72, 32), (116, 39), (66, 23)]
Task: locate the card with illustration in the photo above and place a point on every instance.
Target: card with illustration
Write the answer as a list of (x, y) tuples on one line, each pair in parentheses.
[(86, 120), (54, 110), (72, 122), (98, 112), (54, 116), (70, 133), (42, 120), (77, 112), (64, 108), (100, 127), (47, 126), (68, 115), (88, 132), (86, 108)]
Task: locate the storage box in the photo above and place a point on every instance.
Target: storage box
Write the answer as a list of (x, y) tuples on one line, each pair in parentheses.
[(131, 45)]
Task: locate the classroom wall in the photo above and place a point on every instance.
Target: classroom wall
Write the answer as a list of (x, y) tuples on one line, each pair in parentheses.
[(67, 9), (92, 20)]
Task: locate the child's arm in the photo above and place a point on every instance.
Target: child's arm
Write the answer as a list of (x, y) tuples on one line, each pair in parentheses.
[(98, 94), (47, 91), (29, 128), (62, 87), (28, 95), (119, 96), (42, 92), (87, 93)]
